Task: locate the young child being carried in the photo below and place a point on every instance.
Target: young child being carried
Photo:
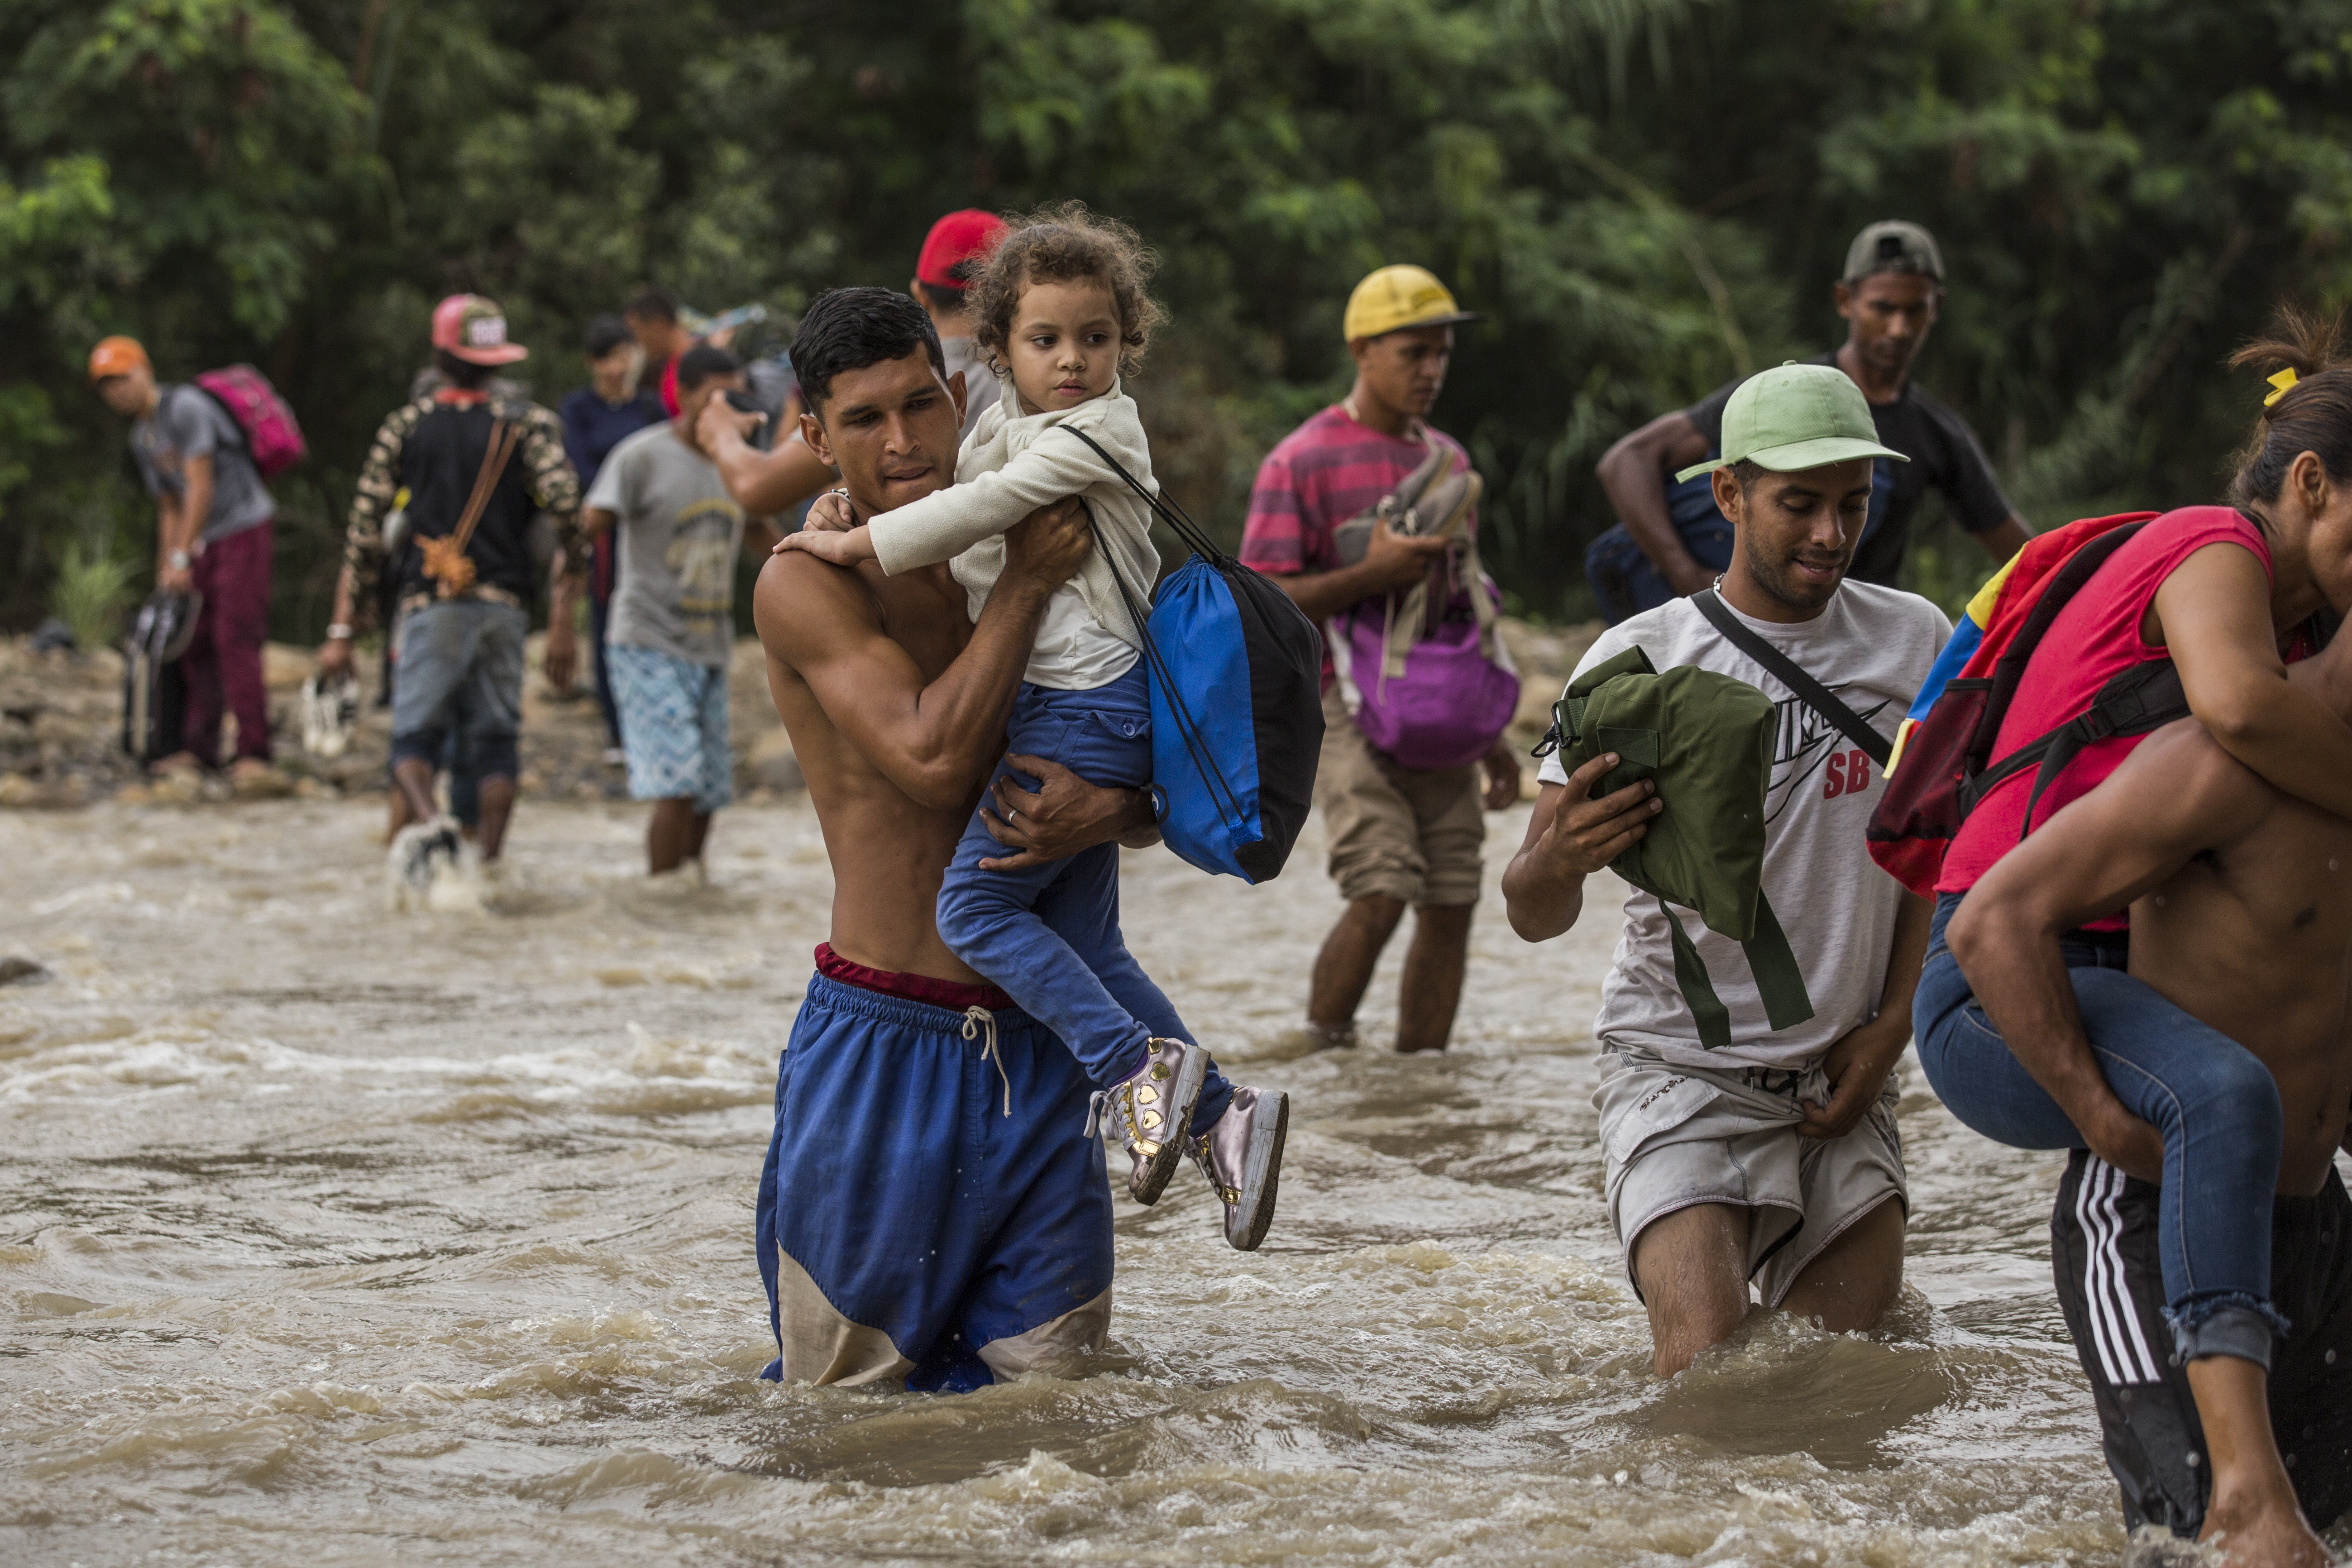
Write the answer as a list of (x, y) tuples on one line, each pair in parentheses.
[(1061, 309)]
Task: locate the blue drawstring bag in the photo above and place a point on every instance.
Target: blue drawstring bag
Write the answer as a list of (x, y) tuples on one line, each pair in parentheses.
[(1236, 674)]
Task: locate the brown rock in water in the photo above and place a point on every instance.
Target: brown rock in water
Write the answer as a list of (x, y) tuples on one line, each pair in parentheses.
[(14, 970)]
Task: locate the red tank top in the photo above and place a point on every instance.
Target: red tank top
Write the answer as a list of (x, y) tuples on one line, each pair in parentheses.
[(2094, 637)]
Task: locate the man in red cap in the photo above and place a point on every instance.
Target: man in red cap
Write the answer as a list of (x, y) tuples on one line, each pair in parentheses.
[(767, 483), (213, 537), (952, 254), (477, 466)]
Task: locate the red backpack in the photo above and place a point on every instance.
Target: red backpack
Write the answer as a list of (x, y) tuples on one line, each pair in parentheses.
[(1943, 762), (272, 435)]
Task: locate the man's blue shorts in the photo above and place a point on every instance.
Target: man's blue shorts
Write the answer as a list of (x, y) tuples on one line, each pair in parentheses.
[(909, 1229)]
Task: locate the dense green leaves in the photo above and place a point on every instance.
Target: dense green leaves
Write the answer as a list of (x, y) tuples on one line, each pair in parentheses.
[(1642, 194)]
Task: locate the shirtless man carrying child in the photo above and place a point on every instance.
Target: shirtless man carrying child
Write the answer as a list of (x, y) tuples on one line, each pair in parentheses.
[(1061, 311), (932, 1211), (2241, 900)]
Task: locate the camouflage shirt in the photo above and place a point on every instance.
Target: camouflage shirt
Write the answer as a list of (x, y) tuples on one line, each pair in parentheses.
[(433, 448)]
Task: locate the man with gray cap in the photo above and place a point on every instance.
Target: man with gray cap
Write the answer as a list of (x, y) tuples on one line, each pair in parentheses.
[(1773, 1156), (1672, 540)]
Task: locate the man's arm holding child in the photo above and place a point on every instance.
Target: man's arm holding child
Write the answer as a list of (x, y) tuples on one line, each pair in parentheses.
[(2177, 793), (931, 739)]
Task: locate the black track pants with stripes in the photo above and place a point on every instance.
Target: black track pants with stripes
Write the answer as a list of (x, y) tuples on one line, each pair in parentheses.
[(2103, 1249)]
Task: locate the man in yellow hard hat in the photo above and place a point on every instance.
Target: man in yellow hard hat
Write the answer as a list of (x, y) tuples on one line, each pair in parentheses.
[(1399, 834)]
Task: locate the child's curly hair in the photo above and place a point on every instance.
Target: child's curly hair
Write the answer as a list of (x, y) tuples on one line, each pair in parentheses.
[(1062, 244)]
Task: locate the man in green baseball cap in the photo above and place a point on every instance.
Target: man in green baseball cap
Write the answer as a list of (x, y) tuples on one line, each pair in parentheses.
[(1671, 540), (1740, 1152)]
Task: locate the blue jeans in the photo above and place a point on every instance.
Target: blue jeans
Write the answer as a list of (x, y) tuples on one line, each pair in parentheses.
[(1048, 935), (2216, 1105)]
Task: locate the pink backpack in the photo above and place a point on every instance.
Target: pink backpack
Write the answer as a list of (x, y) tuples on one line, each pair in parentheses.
[(272, 435)]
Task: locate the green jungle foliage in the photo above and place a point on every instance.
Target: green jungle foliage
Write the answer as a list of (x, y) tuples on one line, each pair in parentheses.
[(1644, 196)]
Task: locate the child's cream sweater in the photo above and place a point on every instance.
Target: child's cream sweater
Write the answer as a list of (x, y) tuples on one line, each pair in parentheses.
[(1008, 469)]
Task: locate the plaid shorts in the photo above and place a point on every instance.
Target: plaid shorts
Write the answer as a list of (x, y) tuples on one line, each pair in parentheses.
[(673, 726)]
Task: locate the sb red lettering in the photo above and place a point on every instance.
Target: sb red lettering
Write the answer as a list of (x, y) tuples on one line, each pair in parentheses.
[(1848, 773)]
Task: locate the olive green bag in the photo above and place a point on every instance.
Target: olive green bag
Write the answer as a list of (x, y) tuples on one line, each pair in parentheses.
[(1707, 738)]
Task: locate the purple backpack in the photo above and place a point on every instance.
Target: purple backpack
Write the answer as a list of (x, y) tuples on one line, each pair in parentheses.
[(272, 436), (1454, 695), (1428, 688)]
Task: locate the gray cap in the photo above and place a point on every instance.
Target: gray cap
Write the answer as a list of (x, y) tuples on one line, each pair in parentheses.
[(1893, 246)]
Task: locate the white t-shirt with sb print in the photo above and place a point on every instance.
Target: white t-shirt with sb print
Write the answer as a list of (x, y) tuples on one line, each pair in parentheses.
[(1873, 646)]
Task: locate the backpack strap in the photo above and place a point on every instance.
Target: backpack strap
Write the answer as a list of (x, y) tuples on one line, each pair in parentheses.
[(1811, 692), (445, 560), (1778, 980), (1221, 790), (243, 441), (2146, 697), (2007, 672), (1193, 536)]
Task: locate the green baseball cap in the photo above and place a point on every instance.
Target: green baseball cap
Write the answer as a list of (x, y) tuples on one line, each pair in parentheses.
[(1796, 417)]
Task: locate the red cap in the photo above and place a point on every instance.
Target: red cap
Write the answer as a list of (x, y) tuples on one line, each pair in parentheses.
[(957, 238), (475, 330)]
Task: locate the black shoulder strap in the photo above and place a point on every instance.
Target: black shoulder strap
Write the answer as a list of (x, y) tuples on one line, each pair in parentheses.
[(2144, 697), (1165, 509), (244, 442), (1811, 692)]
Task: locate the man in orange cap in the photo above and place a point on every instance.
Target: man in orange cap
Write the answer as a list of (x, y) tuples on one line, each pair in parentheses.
[(1399, 835), (478, 466), (213, 537)]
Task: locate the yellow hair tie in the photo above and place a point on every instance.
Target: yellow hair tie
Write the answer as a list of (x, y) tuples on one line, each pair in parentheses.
[(2283, 381)]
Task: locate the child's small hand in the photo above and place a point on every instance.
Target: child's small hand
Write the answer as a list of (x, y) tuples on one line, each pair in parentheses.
[(829, 513), (841, 549), (832, 511)]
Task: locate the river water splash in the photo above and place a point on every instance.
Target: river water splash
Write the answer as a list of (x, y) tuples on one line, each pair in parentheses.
[(336, 1237)]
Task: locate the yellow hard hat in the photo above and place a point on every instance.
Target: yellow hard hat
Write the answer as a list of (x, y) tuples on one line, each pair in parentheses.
[(1396, 297)]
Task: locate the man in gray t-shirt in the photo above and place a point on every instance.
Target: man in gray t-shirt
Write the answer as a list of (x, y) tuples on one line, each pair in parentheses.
[(213, 537), (1772, 1153), (185, 424), (672, 624)]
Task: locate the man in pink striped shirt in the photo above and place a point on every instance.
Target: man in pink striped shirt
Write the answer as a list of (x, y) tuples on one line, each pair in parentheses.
[(1397, 835)]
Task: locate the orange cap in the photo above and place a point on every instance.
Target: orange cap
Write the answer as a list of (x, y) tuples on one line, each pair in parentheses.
[(117, 356)]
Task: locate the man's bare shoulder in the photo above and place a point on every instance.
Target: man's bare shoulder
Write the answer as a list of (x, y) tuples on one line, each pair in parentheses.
[(802, 605)]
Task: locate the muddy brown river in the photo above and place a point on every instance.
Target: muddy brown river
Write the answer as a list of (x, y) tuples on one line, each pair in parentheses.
[(334, 1237)]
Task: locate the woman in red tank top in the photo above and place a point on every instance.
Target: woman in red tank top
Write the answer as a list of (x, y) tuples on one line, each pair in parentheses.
[(2088, 1056)]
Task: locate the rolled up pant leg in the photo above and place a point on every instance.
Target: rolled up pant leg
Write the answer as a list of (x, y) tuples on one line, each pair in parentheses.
[(2215, 1104)]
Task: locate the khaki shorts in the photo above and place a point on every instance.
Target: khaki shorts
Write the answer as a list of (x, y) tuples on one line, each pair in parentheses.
[(1395, 833), (1677, 1136)]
